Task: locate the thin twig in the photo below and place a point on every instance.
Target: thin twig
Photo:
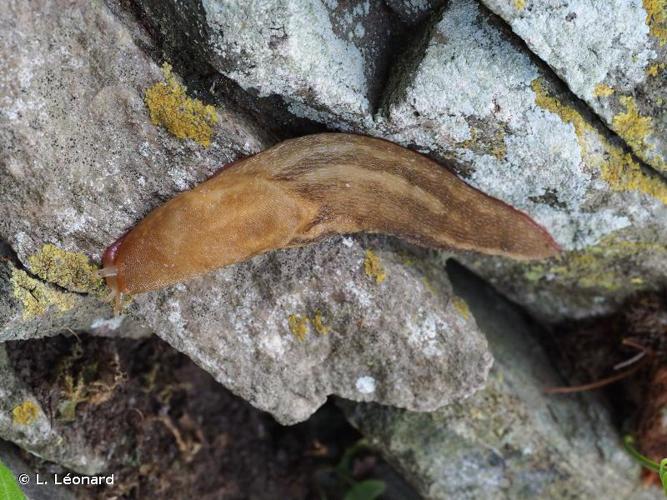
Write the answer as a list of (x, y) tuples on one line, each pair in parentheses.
[(593, 385)]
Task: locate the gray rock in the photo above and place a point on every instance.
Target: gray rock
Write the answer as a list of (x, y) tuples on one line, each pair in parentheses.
[(401, 342), (326, 59), (473, 95), (24, 422), (509, 440), (613, 55), (101, 165), (467, 91)]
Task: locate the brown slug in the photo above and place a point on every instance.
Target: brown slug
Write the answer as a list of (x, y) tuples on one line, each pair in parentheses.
[(305, 189)]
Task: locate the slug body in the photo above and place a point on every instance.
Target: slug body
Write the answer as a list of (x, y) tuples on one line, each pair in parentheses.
[(305, 189)]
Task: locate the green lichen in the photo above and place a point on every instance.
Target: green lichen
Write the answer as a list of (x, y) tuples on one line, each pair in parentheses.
[(37, 297), (26, 413), (186, 118), (656, 19), (70, 270), (601, 267), (373, 267), (617, 168)]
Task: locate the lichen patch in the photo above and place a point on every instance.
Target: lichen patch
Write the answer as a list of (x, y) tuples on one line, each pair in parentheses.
[(70, 270), (373, 267), (631, 125), (36, 297), (617, 168), (461, 306), (656, 19), (26, 413), (602, 90), (298, 325), (318, 323), (185, 117)]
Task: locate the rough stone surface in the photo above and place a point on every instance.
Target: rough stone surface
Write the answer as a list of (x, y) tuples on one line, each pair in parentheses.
[(509, 440), (466, 90), (402, 342), (324, 58), (476, 97), (100, 165), (611, 54), (33, 429)]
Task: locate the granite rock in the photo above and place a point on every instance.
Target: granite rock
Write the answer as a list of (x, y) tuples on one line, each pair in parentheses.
[(613, 55), (100, 165), (471, 94), (510, 440)]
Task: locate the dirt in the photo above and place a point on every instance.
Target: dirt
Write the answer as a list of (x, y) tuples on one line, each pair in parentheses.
[(624, 356), (170, 431)]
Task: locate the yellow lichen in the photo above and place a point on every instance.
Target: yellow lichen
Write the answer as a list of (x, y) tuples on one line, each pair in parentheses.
[(26, 413), (318, 323), (519, 4), (617, 168), (36, 297), (373, 267), (70, 270), (595, 267), (632, 126), (186, 118), (298, 325), (656, 19), (655, 69), (461, 306), (602, 90)]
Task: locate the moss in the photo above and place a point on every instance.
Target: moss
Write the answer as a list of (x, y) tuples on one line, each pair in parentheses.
[(461, 306), (656, 19), (298, 325), (26, 413), (318, 323), (602, 90), (70, 270), (632, 126), (186, 118), (617, 168), (373, 267), (595, 267), (36, 297)]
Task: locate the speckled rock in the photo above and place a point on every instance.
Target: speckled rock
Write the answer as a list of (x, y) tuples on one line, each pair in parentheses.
[(100, 165), (325, 59), (24, 422), (509, 440), (404, 341), (473, 95), (612, 54), (468, 91)]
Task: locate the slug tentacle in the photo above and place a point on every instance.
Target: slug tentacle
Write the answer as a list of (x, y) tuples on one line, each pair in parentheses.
[(305, 189)]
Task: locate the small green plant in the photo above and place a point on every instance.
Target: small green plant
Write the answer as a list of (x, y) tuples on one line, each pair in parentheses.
[(660, 468), (9, 487), (368, 489)]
